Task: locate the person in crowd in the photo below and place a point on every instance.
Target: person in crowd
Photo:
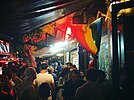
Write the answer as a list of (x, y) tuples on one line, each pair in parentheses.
[(5, 70), (22, 67), (101, 76), (83, 75), (6, 92), (91, 90), (15, 81), (38, 67), (73, 67), (69, 64), (64, 66), (44, 77), (44, 91), (57, 68), (27, 89), (15, 78), (51, 71), (106, 85), (63, 77), (72, 84)]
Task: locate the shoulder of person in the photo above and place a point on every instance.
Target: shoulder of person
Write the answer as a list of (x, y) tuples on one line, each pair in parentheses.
[(50, 75)]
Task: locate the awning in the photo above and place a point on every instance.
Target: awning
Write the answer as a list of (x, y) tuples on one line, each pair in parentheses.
[(19, 17)]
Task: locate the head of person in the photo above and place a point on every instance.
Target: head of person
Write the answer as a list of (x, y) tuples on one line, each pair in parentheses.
[(44, 66), (64, 66), (82, 73), (91, 75), (73, 67), (30, 73), (65, 72), (101, 76), (44, 91), (69, 64), (51, 69), (75, 75), (56, 63)]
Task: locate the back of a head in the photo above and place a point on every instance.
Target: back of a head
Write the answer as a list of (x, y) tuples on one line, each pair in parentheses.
[(69, 64), (44, 66), (30, 72), (74, 66), (64, 72), (77, 72), (91, 75), (44, 91), (75, 75), (101, 74)]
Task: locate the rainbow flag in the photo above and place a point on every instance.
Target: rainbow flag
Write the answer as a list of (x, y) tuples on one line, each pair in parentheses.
[(89, 36), (96, 28)]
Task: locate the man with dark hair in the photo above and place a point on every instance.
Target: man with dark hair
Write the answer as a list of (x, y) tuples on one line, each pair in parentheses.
[(91, 75), (69, 64), (44, 91), (106, 84), (91, 90), (44, 77), (101, 76), (72, 84), (44, 66)]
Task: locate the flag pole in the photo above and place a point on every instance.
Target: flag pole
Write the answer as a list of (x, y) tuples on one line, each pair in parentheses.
[(103, 15)]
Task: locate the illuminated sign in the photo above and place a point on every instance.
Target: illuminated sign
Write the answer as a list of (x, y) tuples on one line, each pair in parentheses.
[(4, 47)]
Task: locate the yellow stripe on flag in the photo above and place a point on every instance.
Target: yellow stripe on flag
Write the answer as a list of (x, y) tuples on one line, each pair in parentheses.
[(89, 40)]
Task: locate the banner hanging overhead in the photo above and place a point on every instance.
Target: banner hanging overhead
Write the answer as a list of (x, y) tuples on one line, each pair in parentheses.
[(89, 36)]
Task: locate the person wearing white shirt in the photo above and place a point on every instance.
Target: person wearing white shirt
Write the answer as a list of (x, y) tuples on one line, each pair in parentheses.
[(44, 77)]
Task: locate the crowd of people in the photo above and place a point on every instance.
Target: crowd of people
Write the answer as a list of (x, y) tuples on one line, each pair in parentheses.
[(53, 82)]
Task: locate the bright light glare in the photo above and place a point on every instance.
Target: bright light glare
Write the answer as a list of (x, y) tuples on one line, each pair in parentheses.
[(58, 47), (56, 50), (68, 32), (59, 54), (45, 9), (60, 44)]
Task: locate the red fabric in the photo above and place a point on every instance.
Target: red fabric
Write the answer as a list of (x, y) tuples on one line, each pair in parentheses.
[(78, 33), (92, 63)]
